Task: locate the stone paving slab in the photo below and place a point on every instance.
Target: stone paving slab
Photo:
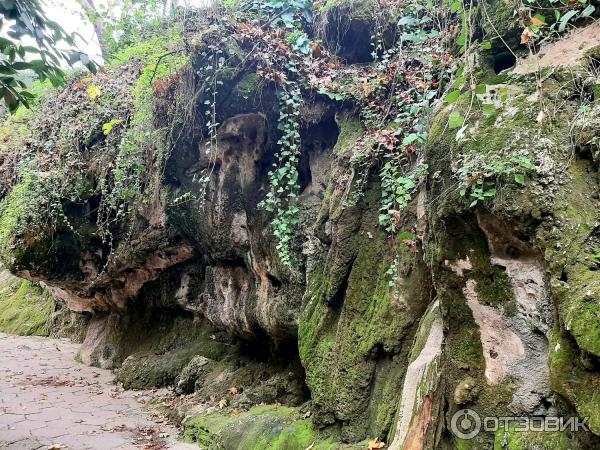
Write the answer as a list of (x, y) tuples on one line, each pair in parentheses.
[(48, 400)]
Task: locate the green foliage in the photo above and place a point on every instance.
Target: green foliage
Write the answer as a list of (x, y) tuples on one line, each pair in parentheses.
[(397, 189), (111, 117), (283, 178), (556, 18), (479, 174), (399, 176), (287, 13), (129, 176), (44, 59), (131, 22), (25, 208)]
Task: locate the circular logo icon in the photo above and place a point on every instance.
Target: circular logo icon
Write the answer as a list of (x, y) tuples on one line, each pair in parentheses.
[(465, 424)]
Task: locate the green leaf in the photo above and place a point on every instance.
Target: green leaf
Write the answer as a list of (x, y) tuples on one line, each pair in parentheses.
[(520, 178), (486, 45), (564, 20), (588, 11), (452, 97), (456, 120), (488, 109)]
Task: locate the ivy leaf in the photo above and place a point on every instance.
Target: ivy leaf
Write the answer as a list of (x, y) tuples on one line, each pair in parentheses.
[(455, 120), (537, 20), (480, 89), (588, 11), (520, 178), (455, 6), (452, 97), (564, 20)]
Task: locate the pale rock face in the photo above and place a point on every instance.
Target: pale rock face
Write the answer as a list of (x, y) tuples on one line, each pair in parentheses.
[(502, 348), (415, 405)]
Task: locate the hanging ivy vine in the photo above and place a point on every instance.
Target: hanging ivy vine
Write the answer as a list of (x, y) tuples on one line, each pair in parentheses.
[(283, 177)]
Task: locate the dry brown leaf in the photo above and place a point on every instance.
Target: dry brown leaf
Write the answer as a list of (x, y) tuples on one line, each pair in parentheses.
[(223, 403), (235, 413), (536, 22), (316, 50), (526, 36), (375, 444)]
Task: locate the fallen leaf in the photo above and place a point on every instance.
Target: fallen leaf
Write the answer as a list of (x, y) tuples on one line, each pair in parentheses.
[(316, 50), (526, 35), (223, 403), (235, 413), (233, 391), (93, 91), (375, 444), (540, 117), (536, 22)]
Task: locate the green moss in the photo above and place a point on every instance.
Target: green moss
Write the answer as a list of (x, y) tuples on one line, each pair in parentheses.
[(494, 287), (572, 253), (509, 439), (352, 330), (23, 217), (247, 86), (345, 149), (502, 21), (146, 369), (567, 377), (260, 428), (147, 49), (25, 308)]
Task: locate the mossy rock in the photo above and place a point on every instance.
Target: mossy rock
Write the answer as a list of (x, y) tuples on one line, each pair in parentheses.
[(260, 428), (352, 331), (350, 27), (511, 439), (571, 379), (25, 308)]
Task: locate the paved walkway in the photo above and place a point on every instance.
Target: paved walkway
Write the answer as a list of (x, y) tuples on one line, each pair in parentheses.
[(49, 401)]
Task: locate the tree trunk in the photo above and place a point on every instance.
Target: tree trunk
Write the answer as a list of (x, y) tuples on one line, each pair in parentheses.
[(98, 24)]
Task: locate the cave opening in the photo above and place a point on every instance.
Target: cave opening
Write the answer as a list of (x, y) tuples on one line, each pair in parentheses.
[(503, 61)]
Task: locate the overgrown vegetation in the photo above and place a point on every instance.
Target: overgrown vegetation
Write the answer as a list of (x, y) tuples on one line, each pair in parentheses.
[(108, 118), (42, 60)]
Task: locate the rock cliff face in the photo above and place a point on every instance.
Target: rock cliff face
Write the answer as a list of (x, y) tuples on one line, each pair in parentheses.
[(484, 294)]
